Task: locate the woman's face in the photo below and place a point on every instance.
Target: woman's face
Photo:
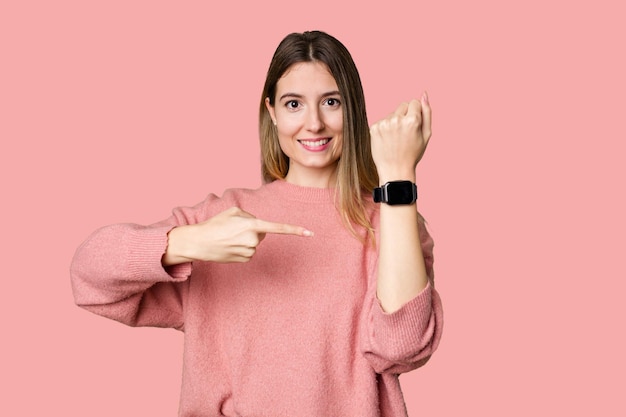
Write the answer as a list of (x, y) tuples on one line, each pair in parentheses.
[(309, 120)]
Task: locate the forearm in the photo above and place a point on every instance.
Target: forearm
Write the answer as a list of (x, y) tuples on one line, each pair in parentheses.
[(398, 143), (116, 273), (401, 267)]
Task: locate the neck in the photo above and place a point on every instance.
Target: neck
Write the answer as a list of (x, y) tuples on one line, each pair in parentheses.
[(311, 177)]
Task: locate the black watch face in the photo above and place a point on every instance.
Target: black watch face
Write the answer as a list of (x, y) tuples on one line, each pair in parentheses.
[(400, 192)]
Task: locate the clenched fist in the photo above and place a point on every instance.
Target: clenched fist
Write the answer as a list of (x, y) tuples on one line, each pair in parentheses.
[(400, 139)]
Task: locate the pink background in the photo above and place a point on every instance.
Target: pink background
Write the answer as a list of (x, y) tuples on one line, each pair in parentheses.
[(118, 111)]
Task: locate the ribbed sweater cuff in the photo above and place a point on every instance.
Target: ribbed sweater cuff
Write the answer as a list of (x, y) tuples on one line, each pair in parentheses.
[(146, 248), (402, 331)]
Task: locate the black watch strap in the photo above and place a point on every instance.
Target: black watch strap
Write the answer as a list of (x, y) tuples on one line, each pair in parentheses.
[(378, 195)]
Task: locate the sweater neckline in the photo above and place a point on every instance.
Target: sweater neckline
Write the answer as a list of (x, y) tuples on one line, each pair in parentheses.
[(291, 191)]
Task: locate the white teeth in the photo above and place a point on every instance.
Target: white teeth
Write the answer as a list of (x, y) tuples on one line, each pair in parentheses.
[(314, 143)]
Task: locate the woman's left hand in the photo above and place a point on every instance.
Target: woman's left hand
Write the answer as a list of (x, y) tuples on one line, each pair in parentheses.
[(400, 139)]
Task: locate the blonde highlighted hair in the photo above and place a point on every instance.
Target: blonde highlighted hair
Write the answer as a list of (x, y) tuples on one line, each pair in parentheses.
[(356, 171)]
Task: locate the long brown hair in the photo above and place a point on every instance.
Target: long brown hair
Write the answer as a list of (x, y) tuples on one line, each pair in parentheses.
[(356, 171)]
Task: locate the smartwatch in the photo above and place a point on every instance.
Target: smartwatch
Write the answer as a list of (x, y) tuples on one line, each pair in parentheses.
[(396, 193)]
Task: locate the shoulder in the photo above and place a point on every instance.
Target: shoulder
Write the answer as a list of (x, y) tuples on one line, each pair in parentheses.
[(244, 198), (237, 196), (213, 204)]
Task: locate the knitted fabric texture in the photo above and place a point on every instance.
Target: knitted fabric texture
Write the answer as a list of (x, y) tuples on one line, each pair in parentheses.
[(296, 331)]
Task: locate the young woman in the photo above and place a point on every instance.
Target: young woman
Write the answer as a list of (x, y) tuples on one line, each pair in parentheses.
[(306, 296)]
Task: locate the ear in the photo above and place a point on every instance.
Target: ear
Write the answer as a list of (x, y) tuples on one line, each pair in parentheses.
[(270, 109)]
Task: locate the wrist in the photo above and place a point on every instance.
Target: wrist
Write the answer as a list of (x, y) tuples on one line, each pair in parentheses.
[(176, 251), (396, 176)]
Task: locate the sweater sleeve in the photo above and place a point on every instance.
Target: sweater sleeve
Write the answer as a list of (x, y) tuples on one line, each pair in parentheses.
[(401, 341), (117, 272)]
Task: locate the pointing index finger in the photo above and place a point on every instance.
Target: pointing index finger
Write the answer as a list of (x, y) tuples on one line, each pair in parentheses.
[(263, 226)]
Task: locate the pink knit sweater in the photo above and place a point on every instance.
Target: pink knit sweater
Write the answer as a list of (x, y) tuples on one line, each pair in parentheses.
[(297, 331)]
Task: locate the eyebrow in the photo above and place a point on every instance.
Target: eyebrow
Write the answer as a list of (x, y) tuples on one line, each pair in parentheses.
[(295, 95)]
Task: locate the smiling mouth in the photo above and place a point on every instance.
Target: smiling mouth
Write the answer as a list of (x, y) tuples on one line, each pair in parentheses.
[(314, 143)]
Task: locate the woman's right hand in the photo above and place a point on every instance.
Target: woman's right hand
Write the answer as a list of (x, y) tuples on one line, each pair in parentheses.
[(230, 236)]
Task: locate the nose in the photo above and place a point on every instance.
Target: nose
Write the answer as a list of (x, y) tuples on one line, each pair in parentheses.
[(314, 122)]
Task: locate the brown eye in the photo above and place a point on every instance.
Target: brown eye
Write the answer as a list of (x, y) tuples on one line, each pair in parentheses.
[(333, 102), (292, 104)]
